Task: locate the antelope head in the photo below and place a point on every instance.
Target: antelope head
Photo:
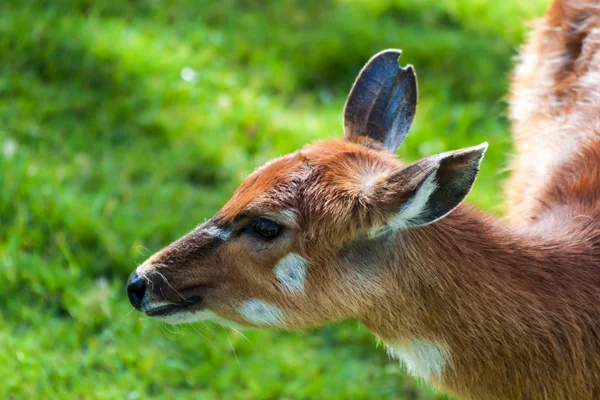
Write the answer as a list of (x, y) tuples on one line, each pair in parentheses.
[(303, 239)]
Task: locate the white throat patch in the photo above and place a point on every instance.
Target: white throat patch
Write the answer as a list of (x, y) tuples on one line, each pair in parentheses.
[(422, 359), (291, 272)]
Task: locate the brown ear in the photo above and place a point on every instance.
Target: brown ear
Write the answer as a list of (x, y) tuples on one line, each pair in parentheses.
[(431, 188), (382, 102)]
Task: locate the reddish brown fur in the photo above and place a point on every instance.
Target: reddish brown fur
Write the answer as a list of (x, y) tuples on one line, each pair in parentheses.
[(519, 312), (517, 305), (554, 109)]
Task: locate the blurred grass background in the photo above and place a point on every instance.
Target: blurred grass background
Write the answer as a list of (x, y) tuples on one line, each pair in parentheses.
[(124, 124)]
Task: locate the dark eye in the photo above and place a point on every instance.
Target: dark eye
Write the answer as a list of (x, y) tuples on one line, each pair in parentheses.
[(264, 228)]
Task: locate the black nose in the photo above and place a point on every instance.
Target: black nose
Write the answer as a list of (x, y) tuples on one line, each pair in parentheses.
[(136, 287)]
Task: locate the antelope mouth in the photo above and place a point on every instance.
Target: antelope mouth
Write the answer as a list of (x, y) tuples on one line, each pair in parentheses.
[(173, 308)]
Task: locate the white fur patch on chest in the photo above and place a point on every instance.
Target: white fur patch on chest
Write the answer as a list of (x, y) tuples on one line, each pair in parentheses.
[(261, 313), (291, 272), (422, 359)]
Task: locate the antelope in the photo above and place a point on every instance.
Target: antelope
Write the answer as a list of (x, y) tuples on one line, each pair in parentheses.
[(479, 306)]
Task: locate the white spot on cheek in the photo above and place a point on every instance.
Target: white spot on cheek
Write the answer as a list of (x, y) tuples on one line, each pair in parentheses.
[(422, 359), (261, 313), (217, 232), (291, 272)]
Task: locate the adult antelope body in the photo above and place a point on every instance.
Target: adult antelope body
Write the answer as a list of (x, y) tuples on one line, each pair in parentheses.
[(481, 307)]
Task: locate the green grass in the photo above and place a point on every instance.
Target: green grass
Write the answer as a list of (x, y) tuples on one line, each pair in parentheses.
[(107, 154)]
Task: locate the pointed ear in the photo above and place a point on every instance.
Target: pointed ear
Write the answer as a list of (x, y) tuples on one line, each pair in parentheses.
[(382, 103), (431, 188)]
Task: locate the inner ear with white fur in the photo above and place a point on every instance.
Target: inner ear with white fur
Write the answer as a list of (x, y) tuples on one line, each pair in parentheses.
[(429, 189)]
